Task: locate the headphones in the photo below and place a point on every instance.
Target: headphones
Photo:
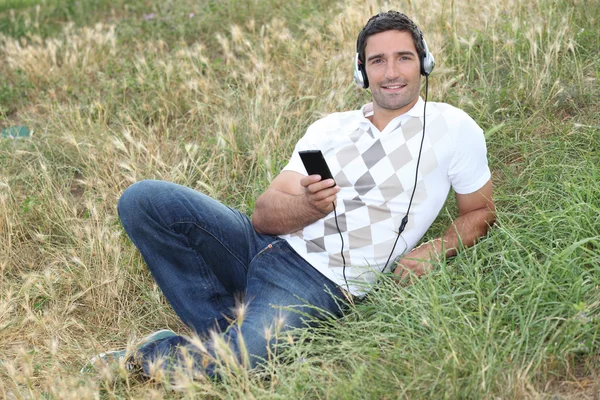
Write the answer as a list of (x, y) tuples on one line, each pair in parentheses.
[(427, 64)]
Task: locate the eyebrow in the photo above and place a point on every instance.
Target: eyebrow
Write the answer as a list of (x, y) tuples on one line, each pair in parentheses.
[(398, 53)]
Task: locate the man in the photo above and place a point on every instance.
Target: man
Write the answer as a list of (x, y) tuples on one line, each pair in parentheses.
[(393, 163)]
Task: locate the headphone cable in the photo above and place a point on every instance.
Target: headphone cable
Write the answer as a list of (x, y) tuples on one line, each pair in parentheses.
[(405, 219), (342, 250)]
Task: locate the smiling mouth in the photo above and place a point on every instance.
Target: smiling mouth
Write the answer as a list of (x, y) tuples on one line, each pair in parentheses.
[(395, 86)]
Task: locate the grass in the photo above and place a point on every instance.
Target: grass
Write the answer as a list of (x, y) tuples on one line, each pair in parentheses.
[(116, 92)]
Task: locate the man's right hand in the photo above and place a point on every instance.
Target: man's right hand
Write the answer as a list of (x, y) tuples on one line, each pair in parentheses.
[(321, 194)]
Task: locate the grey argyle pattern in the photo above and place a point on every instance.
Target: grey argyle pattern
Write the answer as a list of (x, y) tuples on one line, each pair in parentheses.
[(377, 175)]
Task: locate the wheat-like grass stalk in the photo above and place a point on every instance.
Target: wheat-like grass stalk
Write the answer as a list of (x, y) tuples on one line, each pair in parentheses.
[(216, 102)]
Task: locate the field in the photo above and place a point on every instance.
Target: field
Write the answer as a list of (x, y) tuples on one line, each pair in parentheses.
[(213, 95)]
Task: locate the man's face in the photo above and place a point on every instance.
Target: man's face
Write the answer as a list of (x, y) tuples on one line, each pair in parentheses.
[(393, 68)]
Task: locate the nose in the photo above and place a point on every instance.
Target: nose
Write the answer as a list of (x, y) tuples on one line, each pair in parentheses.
[(391, 71)]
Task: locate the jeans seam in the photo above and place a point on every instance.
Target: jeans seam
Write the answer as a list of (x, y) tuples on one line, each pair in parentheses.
[(211, 275), (207, 231)]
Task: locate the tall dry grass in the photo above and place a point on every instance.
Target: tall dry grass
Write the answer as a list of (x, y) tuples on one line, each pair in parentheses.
[(121, 100)]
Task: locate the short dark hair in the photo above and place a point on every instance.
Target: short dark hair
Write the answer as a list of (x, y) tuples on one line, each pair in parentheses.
[(388, 21)]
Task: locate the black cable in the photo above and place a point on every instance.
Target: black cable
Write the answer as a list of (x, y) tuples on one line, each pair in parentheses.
[(342, 250), (405, 219)]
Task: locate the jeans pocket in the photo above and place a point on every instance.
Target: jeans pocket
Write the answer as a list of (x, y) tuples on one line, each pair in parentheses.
[(276, 246)]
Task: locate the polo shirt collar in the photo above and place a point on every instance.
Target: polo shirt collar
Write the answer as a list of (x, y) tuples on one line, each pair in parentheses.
[(415, 111)]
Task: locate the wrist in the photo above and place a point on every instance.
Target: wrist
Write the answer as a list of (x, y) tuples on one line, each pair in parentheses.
[(442, 248), (433, 250), (437, 246)]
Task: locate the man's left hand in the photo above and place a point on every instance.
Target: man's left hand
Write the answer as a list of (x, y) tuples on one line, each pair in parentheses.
[(419, 261)]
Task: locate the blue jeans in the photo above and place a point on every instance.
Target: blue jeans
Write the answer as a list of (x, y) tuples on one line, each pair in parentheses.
[(208, 259)]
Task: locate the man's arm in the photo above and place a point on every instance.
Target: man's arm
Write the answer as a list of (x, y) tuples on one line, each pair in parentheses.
[(292, 202), (476, 214)]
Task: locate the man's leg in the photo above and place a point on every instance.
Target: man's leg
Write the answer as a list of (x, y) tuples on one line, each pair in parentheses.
[(283, 292), (197, 249)]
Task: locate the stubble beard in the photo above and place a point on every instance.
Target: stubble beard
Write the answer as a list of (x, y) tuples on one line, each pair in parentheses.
[(390, 101)]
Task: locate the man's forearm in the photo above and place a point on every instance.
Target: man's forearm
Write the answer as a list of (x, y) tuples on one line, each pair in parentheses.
[(464, 232), (278, 213)]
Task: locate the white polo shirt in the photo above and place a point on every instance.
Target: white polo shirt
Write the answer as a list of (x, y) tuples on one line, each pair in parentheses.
[(376, 173)]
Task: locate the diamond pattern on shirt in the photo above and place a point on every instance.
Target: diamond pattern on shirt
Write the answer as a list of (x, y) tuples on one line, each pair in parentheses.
[(394, 177), (420, 193), (347, 154), (379, 213), (353, 204), (360, 237), (357, 219), (331, 228), (335, 260), (400, 157), (391, 188), (373, 174), (428, 162), (341, 180), (386, 247), (364, 183), (374, 154), (316, 245), (379, 180), (354, 136), (411, 128)]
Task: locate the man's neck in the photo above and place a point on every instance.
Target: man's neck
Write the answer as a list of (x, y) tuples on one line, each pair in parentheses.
[(381, 116)]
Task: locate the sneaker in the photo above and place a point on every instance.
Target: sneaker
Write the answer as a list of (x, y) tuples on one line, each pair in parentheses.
[(118, 356)]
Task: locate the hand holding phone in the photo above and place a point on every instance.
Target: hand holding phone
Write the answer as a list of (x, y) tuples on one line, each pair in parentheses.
[(321, 197)]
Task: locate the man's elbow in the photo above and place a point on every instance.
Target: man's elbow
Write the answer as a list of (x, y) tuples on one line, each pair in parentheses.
[(258, 219), (263, 219), (490, 217)]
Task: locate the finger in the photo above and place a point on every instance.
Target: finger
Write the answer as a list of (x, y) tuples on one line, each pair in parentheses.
[(321, 185), (404, 274), (309, 180), (325, 205), (322, 195)]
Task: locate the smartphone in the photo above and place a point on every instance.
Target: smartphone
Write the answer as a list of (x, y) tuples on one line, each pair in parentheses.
[(315, 163)]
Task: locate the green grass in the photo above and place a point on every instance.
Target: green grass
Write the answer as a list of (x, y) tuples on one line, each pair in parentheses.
[(216, 101)]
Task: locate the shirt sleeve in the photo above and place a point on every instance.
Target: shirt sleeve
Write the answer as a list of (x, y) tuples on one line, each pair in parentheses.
[(316, 138), (469, 169)]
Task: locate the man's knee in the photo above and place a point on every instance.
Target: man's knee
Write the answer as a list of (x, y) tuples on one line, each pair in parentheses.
[(136, 200), (133, 196)]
